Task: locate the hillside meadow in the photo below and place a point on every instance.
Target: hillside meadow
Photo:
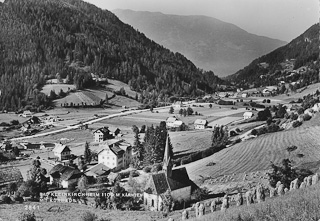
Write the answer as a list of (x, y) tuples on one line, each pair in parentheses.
[(257, 154)]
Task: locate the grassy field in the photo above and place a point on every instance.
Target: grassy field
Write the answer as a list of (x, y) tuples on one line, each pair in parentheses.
[(57, 87), (50, 211), (295, 206), (256, 154)]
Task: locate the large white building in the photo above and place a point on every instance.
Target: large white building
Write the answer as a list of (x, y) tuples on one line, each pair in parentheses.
[(61, 151), (176, 181), (115, 154)]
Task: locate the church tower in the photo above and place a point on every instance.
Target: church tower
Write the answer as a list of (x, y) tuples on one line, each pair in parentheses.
[(167, 163)]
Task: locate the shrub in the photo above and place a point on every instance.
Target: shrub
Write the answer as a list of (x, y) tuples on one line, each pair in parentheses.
[(27, 217), (5, 199), (89, 216), (300, 110), (200, 194), (306, 117), (294, 116), (211, 164), (296, 124), (4, 124), (147, 169), (156, 168), (254, 132)]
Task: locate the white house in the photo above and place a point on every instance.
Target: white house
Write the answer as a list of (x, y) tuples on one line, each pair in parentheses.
[(176, 181), (244, 95), (102, 134), (247, 115), (115, 154), (26, 114), (170, 121), (61, 151), (200, 124)]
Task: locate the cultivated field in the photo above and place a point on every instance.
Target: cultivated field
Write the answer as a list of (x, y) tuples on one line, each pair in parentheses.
[(256, 154)]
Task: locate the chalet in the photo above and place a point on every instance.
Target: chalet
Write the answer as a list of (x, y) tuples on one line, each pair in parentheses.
[(176, 181), (200, 124), (102, 134), (9, 174), (244, 95), (170, 121), (63, 176), (115, 154), (247, 115), (316, 107), (62, 152), (30, 146), (177, 124), (98, 170)]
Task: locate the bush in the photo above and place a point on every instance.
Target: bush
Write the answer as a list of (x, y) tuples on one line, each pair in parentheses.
[(156, 168), (254, 132), (5, 199), (27, 217), (4, 124), (211, 164), (296, 124), (88, 216), (147, 169), (306, 117)]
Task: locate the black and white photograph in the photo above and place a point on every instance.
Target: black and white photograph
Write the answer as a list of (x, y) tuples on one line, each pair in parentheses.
[(159, 110)]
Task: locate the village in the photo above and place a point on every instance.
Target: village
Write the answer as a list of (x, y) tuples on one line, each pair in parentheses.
[(108, 138)]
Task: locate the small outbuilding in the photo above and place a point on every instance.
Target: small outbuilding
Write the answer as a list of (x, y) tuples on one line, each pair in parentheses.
[(248, 115)]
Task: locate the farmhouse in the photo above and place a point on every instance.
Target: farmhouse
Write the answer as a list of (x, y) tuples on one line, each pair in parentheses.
[(62, 152), (176, 181), (63, 176), (247, 115), (170, 121), (9, 174), (98, 170), (102, 134), (115, 154), (200, 124)]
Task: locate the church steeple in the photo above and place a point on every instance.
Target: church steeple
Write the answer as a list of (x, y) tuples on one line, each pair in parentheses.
[(167, 163)]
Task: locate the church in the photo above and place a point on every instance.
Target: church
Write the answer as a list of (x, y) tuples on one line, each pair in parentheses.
[(177, 181)]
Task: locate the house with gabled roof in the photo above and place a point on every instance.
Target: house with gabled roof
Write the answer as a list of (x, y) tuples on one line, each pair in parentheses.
[(98, 170), (115, 154), (102, 134), (9, 174), (63, 176), (176, 181), (61, 151), (200, 124), (170, 121)]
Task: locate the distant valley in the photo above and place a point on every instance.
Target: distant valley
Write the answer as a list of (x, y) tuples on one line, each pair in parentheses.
[(208, 42)]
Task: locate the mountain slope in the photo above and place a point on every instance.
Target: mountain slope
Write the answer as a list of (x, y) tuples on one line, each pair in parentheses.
[(302, 51), (42, 39), (210, 43)]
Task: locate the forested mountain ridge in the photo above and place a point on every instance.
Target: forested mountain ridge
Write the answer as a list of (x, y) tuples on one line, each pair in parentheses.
[(210, 43), (40, 38), (268, 69)]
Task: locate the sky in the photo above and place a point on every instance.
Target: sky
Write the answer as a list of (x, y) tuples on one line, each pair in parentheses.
[(280, 19)]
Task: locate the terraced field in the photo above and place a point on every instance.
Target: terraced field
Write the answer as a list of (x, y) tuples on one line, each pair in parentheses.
[(256, 154)]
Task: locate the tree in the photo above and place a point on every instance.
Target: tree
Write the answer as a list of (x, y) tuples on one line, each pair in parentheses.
[(281, 112), (83, 183), (189, 111), (87, 153), (167, 201), (16, 151), (219, 136), (138, 147), (135, 129), (143, 129), (264, 115), (284, 173), (181, 112), (210, 105), (12, 187), (106, 98), (171, 110)]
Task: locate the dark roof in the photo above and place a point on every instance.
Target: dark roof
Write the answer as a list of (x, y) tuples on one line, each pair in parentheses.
[(99, 169), (10, 174), (57, 168), (113, 145), (104, 130), (159, 183), (116, 150), (179, 179), (70, 173)]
